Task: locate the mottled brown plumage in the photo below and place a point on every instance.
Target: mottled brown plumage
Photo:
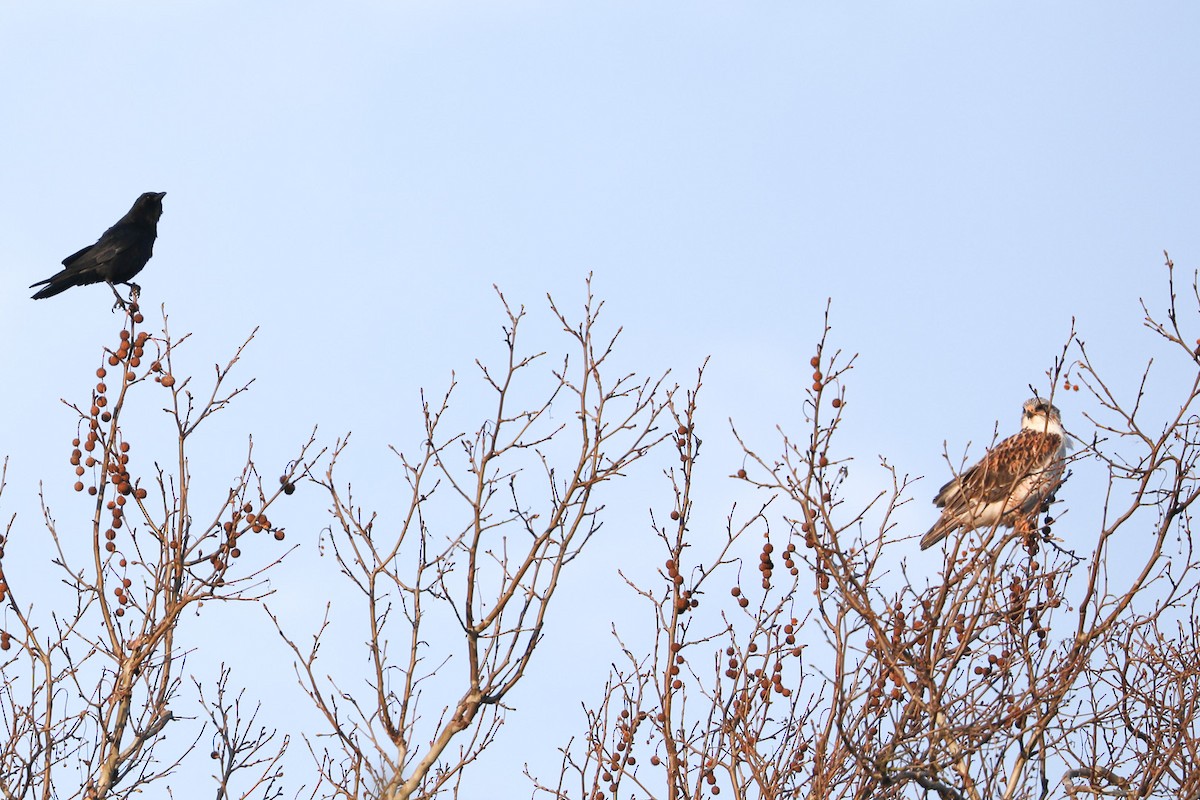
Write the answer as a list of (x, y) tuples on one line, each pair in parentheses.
[(1010, 483)]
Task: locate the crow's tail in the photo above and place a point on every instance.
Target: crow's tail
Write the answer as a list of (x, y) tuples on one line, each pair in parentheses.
[(50, 288)]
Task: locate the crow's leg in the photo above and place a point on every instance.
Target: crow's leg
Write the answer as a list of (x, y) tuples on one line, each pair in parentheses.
[(120, 300)]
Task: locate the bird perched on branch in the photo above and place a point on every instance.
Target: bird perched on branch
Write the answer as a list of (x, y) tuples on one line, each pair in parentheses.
[(1010, 483), (116, 256)]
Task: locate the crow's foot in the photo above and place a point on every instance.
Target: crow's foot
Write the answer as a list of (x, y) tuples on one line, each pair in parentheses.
[(121, 304)]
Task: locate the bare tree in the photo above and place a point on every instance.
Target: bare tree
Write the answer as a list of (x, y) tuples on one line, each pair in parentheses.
[(803, 654), (1023, 669), (89, 692), (491, 521)]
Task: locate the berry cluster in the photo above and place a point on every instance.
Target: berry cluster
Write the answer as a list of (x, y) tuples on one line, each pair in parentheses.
[(762, 679), (243, 520), (765, 565), (685, 600), (615, 763), (823, 567), (112, 454)]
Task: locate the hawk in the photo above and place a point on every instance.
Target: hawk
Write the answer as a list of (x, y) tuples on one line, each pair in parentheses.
[(1011, 482)]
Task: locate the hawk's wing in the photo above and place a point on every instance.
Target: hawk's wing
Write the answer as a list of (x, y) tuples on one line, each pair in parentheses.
[(1014, 477)]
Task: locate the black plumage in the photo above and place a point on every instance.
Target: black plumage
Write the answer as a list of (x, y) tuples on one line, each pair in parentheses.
[(116, 257)]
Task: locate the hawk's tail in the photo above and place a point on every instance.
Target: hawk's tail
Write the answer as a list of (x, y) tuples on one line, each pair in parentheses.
[(940, 530)]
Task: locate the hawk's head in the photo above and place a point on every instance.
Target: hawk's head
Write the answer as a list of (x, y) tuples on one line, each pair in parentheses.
[(1039, 415)]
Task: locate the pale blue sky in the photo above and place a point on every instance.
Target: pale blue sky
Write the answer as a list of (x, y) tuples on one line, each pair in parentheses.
[(961, 178)]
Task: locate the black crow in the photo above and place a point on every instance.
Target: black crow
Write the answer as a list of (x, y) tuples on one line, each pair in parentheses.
[(116, 256)]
